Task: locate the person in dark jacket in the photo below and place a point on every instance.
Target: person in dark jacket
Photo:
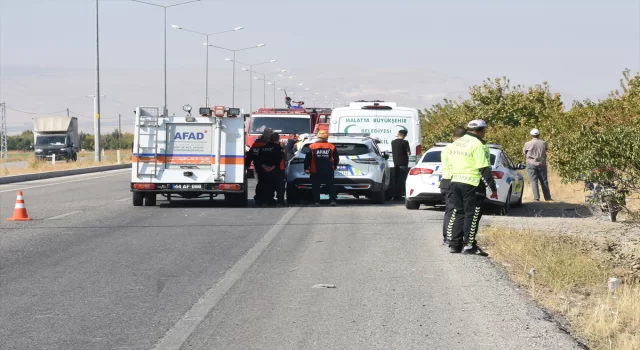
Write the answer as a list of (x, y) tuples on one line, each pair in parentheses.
[(270, 158), (400, 150), (321, 163), (252, 156), (445, 186)]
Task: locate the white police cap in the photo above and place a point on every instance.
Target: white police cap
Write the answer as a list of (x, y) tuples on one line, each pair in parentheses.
[(478, 123)]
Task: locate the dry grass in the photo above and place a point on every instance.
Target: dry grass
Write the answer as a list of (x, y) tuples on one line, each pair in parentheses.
[(35, 166), (17, 156), (570, 278), (572, 193)]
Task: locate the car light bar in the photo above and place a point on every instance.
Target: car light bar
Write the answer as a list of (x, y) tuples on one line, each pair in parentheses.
[(497, 174), (144, 186), (421, 171), (229, 187)]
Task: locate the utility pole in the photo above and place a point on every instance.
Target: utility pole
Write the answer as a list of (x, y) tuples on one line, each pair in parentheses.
[(96, 98), (119, 131), (4, 152)]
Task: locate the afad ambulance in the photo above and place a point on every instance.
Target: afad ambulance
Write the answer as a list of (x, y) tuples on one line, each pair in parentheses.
[(189, 156), (382, 120)]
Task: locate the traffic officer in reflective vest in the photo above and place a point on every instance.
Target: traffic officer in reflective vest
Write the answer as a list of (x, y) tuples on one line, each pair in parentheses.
[(470, 169), (252, 156), (445, 187), (321, 163)]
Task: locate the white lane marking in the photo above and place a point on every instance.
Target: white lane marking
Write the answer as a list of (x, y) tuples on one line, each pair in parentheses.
[(64, 215), (180, 332), (63, 182), (123, 199)]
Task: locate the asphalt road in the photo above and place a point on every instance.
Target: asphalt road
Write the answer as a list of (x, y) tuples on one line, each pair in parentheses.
[(93, 272)]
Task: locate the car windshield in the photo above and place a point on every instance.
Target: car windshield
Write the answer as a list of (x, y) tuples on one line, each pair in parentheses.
[(282, 125), (434, 157), (345, 149), (50, 140)]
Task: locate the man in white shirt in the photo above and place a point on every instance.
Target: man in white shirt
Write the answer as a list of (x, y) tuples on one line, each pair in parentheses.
[(535, 153)]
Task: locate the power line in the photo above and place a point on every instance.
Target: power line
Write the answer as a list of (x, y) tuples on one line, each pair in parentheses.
[(17, 110)]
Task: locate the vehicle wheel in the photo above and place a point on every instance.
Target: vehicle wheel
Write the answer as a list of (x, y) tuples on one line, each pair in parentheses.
[(506, 207), (411, 205), (137, 199), (293, 195), (236, 199), (378, 197), (518, 204), (150, 200)]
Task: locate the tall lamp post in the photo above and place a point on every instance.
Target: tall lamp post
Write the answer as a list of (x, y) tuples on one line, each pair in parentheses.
[(264, 84), (250, 70), (206, 88), (233, 83), (96, 100), (273, 82), (164, 107)]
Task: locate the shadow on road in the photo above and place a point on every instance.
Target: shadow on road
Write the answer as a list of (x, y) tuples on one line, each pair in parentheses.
[(220, 203), (530, 210)]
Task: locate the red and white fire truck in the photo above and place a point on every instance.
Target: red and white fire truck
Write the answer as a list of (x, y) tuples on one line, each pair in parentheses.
[(286, 122)]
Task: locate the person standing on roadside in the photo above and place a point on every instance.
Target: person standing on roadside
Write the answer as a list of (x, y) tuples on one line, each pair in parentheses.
[(252, 156), (535, 153), (270, 157), (470, 169), (445, 186), (400, 151), (321, 163)]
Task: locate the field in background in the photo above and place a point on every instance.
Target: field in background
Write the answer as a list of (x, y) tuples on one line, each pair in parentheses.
[(34, 166), (569, 276)]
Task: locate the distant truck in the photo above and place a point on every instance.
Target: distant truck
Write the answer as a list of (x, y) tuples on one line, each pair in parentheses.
[(56, 136)]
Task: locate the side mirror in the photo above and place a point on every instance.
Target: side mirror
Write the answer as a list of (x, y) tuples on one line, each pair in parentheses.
[(521, 166), (385, 155)]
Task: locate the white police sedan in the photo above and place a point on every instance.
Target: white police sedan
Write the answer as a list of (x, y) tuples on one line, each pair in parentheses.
[(422, 186)]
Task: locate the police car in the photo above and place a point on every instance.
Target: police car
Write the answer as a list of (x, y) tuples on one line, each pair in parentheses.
[(423, 181), (362, 171)]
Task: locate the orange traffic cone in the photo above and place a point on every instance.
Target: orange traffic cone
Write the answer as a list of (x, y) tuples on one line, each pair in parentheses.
[(20, 211)]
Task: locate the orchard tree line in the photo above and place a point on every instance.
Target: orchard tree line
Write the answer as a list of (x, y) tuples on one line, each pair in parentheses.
[(586, 140), (114, 140)]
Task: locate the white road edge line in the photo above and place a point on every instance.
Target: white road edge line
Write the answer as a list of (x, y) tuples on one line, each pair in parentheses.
[(58, 183), (64, 215), (180, 332)]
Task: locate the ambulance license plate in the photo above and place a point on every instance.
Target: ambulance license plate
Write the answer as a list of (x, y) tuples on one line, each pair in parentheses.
[(187, 186)]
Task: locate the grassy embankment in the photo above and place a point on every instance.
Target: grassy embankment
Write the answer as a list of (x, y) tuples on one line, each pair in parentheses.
[(572, 272), (85, 159)]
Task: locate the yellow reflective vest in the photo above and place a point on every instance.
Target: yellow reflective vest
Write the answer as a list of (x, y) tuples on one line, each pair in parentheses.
[(464, 159)]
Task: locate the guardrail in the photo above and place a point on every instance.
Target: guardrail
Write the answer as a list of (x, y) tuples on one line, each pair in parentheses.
[(60, 173)]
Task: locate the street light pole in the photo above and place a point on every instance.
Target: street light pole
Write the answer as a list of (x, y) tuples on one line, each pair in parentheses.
[(233, 83), (206, 85), (96, 99), (164, 78)]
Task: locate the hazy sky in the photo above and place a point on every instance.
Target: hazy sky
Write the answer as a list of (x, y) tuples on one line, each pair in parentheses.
[(410, 51)]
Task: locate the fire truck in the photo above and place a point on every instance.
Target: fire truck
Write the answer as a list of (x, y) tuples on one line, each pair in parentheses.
[(286, 122), (189, 156)]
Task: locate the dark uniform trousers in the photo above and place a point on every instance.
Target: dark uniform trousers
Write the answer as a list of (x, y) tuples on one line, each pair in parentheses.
[(323, 178), (273, 182), (399, 175), (447, 227), (259, 184), (467, 212)]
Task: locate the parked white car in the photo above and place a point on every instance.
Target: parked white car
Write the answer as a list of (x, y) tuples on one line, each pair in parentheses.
[(422, 186), (362, 171)]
